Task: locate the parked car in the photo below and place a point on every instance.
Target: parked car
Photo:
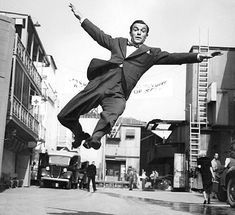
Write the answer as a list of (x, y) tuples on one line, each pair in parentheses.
[(225, 190), (83, 180), (230, 184), (60, 169), (226, 187)]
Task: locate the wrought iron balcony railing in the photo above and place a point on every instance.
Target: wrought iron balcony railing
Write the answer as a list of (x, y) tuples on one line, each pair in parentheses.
[(22, 54), (23, 114)]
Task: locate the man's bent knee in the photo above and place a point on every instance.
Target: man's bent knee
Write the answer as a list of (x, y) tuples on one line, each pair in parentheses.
[(61, 118)]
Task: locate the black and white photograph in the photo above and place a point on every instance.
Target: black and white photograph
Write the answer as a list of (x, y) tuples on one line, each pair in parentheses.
[(122, 107)]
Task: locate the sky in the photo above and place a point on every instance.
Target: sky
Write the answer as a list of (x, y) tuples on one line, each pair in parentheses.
[(175, 26)]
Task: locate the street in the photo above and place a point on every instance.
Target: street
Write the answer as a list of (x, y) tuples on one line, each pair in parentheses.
[(106, 201)]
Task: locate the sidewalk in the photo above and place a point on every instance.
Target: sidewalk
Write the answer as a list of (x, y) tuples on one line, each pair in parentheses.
[(166, 196)]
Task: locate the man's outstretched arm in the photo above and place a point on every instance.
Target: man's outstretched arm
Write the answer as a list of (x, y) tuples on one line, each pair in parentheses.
[(201, 57), (76, 13), (97, 34), (183, 58)]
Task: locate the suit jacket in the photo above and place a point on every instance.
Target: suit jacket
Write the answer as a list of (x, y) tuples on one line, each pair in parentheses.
[(134, 65), (91, 170)]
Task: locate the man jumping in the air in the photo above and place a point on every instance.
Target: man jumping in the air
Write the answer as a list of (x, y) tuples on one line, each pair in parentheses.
[(111, 82)]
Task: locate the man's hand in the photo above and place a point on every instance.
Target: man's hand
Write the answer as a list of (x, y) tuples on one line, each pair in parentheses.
[(75, 12), (201, 57)]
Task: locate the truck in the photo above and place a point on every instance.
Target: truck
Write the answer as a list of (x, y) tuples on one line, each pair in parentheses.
[(60, 169)]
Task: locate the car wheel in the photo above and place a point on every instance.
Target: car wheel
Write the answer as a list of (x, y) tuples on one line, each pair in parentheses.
[(221, 195), (68, 185), (231, 192), (75, 186), (41, 184)]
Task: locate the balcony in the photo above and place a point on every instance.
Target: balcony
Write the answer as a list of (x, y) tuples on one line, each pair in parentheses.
[(23, 56), (21, 114)]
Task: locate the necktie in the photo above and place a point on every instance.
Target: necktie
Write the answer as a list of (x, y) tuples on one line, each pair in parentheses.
[(132, 44)]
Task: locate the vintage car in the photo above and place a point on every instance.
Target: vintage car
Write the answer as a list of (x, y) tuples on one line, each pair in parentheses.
[(60, 169), (225, 190), (230, 184)]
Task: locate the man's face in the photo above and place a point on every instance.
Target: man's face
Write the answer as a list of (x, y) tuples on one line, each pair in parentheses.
[(216, 156), (138, 33)]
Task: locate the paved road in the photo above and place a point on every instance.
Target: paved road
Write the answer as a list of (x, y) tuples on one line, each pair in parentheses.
[(106, 201)]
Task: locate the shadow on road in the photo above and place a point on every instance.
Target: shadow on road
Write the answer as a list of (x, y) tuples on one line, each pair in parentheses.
[(75, 212), (192, 208)]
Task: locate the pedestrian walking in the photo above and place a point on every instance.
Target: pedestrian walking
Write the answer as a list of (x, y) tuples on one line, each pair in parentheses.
[(152, 178), (131, 179), (155, 178), (216, 166), (144, 178), (91, 173), (135, 183), (111, 81), (217, 169), (205, 168)]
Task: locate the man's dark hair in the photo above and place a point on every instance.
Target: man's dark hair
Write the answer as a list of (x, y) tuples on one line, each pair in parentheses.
[(140, 22)]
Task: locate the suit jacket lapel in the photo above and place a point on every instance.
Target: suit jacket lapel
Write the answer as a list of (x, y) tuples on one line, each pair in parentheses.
[(123, 44), (143, 48)]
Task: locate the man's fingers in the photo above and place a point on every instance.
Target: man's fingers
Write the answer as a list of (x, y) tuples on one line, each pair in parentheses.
[(213, 54), (71, 6), (218, 53)]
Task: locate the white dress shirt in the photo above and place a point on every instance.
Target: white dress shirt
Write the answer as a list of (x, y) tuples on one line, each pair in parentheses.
[(130, 50)]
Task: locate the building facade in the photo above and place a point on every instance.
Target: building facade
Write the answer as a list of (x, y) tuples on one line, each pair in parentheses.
[(7, 34), (24, 128), (210, 107), (122, 149), (157, 152), (209, 124), (210, 91)]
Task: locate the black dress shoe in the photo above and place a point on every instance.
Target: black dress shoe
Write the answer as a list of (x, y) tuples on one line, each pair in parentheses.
[(76, 143), (90, 143), (86, 144), (95, 144), (204, 202), (79, 138), (209, 201)]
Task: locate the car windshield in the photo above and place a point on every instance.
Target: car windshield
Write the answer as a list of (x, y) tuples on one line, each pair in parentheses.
[(59, 160)]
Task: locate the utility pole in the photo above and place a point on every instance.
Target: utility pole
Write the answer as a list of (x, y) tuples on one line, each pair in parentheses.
[(103, 157)]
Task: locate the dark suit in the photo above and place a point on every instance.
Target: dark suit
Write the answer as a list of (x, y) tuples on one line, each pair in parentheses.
[(91, 173), (112, 81)]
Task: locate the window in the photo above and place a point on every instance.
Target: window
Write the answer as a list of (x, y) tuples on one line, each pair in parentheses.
[(130, 133), (26, 96), (18, 82)]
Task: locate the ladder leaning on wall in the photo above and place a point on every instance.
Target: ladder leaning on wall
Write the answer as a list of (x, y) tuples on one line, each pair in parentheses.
[(201, 115)]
